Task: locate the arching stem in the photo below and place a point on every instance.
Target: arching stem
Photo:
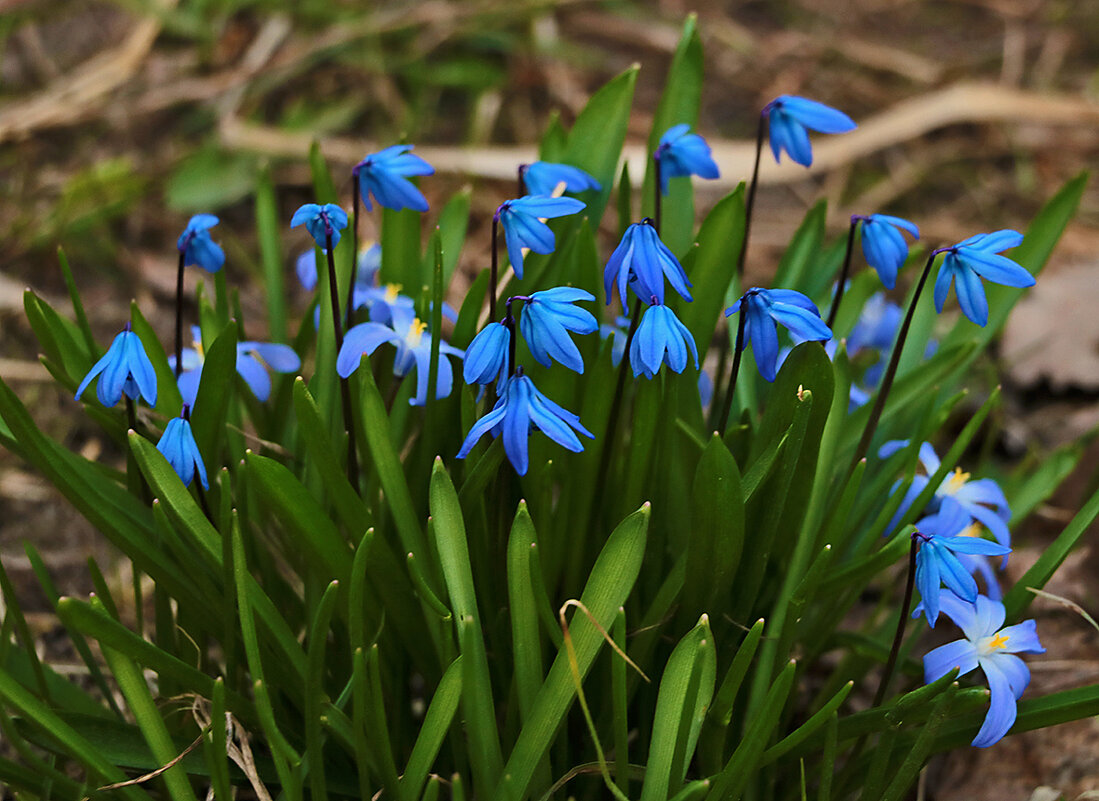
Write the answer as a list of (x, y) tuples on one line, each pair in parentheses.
[(855, 218)]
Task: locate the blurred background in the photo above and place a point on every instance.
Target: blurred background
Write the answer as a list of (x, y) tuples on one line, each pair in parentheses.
[(118, 120)]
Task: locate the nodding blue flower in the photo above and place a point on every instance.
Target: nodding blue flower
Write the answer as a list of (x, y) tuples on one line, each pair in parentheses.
[(520, 408), (973, 259), (982, 499), (413, 343), (523, 226), (941, 539), (682, 154), (991, 648), (661, 339), (765, 309), (385, 175), (321, 221), (883, 246), (543, 178), (487, 355), (548, 317), (196, 245), (369, 262), (643, 261), (178, 445), (254, 359), (789, 120), (126, 370)]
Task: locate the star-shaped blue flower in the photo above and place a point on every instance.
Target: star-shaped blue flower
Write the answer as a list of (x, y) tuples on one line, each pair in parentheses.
[(765, 309), (661, 339), (940, 541), (196, 245), (991, 648), (321, 221), (520, 408), (789, 120), (180, 449), (681, 154), (524, 229), (254, 359), (548, 317), (543, 178), (126, 370), (385, 176), (643, 261), (973, 259), (413, 343), (883, 245)]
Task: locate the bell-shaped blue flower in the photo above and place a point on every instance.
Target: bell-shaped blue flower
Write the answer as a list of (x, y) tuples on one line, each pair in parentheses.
[(520, 408), (941, 539), (789, 120), (643, 261), (180, 449), (125, 369), (321, 221), (973, 259), (196, 245), (523, 226), (486, 358), (661, 339), (385, 176), (408, 334), (543, 178), (993, 649), (548, 317), (765, 309), (681, 154), (883, 245)]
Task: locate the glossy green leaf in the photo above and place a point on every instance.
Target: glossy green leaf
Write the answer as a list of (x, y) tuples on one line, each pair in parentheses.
[(440, 714)]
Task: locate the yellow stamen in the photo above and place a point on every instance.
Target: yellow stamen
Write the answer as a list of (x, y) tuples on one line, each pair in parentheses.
[(998, 643), (972, 530), (415, 332), (956, 481), (391, 292)]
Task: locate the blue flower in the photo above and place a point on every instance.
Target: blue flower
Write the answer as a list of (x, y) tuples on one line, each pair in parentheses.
[(876, 327), (322, 221), (643, 261), (661, 339), (487, 355), (524, 229), (543, 178), (253, 361), (765, 308), (941, 540), (519, 408), (178, 445), (413, 344), (973, 259), (547, 318), (617, 334), (384, 174), (369, 262), (789, 120), (197, 247), (126, 370), (982, 499), (883, 246), (993, 649), (682, 154)]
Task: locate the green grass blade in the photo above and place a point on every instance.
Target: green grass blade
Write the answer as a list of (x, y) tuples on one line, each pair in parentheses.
[(440, 714), (268, 226)]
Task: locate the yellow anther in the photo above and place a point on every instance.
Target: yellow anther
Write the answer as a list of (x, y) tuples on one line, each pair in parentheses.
[(956, 481), (391, 292), (415, 332), (998, 643), (972, 530)]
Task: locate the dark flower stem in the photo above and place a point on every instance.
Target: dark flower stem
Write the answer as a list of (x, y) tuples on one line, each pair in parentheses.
[(179, 313), (891, 370), (520, 187), (509, 321), (751, 196), (354, 248), (345, 389), (844, 272), (616, 403), (492, 273), (738, 349), (898, 638), (656, 191)]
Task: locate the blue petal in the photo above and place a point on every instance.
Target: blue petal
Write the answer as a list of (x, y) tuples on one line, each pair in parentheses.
[(943, 281), (254, 375), (998, 269), (516, 429), (1001, 708), (938, 662), (798, 321), (483, 426), (816, 115), (928, 581), (1022, 638), (971, 296), (363, 338)]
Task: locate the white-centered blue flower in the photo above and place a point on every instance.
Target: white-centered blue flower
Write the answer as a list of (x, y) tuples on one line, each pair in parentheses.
[(253, 361)]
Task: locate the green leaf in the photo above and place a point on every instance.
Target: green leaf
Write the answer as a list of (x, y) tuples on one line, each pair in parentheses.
[(609, 584), (440, 714), (526, 644), (478, 707), (803, 248), (268, 226), (685, 692), (215, 392), (210, 179), (720, 714)]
